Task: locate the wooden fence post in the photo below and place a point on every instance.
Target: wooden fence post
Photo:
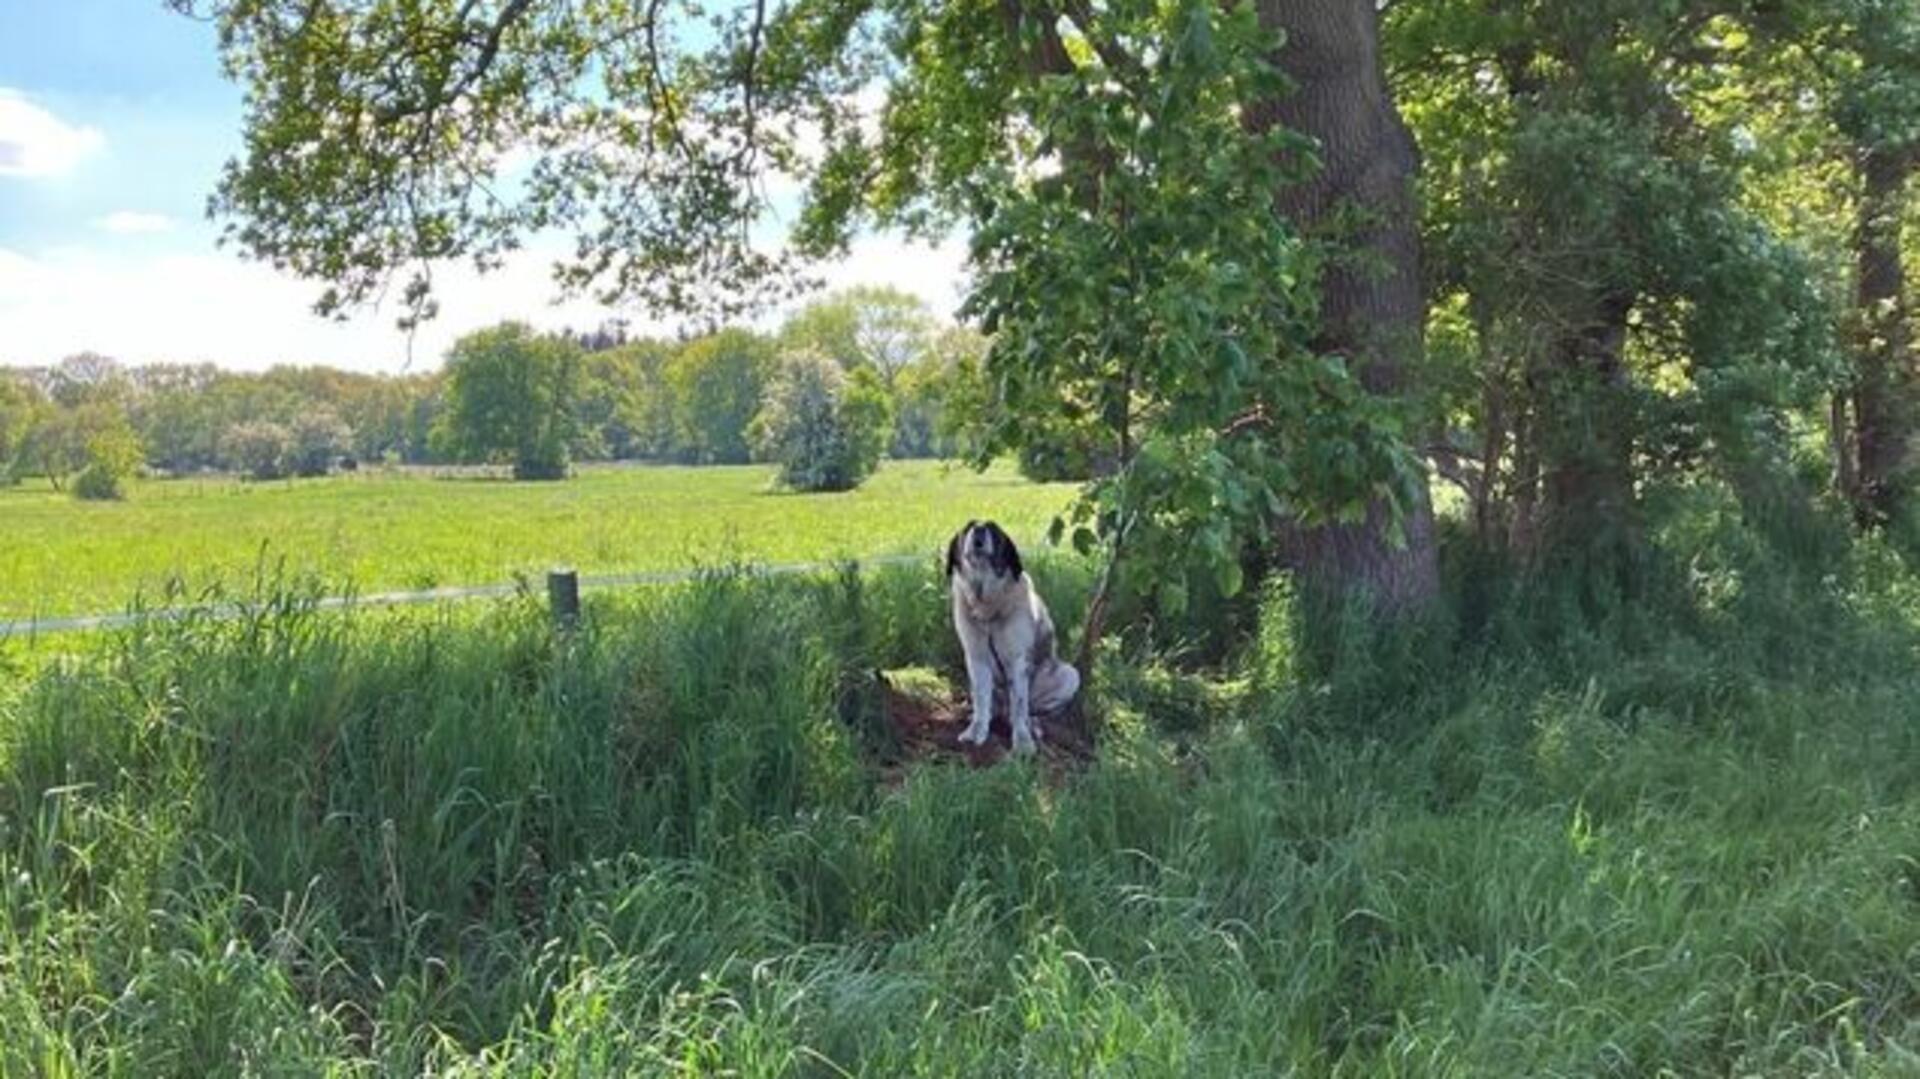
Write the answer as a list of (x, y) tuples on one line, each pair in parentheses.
[(563, 596)]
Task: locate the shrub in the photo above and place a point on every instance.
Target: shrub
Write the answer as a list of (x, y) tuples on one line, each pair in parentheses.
[(826, 428), (260, 448), (96, 484), (111, 455), (318, 438)]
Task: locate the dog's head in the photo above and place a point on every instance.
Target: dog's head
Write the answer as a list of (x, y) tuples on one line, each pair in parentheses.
[(983, 551)]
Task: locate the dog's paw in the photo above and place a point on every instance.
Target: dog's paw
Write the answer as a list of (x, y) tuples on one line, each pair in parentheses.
[(1022, 741), (975, 734)]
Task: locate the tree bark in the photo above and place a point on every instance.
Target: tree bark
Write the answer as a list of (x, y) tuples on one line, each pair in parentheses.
[(1883, 377), (1372, 305), (1589, 484), (1840, 437)]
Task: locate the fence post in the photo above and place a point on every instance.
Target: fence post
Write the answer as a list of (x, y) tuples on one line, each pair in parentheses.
[(563, 596)]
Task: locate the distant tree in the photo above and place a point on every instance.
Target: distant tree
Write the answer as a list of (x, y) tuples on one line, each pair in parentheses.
[(605, 337), (20, 405), (62, 441), (112, 455), (878, 327), (610, 413), (422, 419), (87, 378), (174, 408), (511, 395), (53, 446), (259, 448), (826, 428), (716, 383), (927, 391), (655, 411), (319, 438)]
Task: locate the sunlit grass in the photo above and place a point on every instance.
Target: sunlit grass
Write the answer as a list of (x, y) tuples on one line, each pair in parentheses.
[(411, 530)]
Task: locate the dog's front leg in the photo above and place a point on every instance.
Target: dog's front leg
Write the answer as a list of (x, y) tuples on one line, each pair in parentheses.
[(1019, 706), (980, 673)]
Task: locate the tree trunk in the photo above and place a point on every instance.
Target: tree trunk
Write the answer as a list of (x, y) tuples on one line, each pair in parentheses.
[(1590, 468), (1372, 307), (1840, 438), (1883, 379)]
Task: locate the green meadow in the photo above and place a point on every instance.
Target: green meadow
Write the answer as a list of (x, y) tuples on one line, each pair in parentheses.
[(1554, 831), (380, 530)]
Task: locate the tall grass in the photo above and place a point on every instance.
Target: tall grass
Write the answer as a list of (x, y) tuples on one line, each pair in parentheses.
[(1548, 834)]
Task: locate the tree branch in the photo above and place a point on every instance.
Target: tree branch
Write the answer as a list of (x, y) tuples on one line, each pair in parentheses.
[(442, 95)]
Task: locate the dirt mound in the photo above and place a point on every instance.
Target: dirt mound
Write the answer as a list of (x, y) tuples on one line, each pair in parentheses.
[(927, 716)]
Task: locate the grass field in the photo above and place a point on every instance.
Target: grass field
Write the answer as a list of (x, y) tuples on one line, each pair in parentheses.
[(411, 530), (1553, 833)]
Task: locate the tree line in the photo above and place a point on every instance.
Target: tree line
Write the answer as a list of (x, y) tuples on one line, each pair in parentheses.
[(851, 376)]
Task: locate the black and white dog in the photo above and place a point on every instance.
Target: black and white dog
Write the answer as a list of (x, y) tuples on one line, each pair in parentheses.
[(1006, 633)]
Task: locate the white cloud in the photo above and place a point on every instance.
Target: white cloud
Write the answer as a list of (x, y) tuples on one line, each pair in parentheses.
[(35, 143), (141, 306), (936, 274), (131, 222)]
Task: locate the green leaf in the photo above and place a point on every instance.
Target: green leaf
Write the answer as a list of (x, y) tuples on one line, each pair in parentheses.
[(1230, 578), (1173, 598)]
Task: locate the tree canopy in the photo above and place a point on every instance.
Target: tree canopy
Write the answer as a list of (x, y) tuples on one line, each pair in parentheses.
[(510, 397)]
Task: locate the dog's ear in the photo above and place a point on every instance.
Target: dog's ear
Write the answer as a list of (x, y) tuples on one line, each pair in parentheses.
[(953, 548), (1005, 554)]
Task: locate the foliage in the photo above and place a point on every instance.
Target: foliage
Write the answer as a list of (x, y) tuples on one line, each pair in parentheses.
[(1171, 308), (872, 326), (716, 382), (1609, 311), (889, 333), (20, 406), (619, 411), (510, 397), (86, 378), (61, 441), (824, 427), (319, 439), (111, 455), (261, 449)]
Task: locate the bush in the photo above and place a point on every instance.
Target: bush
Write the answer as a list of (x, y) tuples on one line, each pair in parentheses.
[(110, 457), (97, 484), (260, 448), (318, 439), (826, 428)]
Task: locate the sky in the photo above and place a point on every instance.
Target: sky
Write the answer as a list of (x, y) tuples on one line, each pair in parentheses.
[(114, 124)]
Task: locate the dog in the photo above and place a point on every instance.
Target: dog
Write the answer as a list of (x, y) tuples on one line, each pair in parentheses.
[(1006, 633)]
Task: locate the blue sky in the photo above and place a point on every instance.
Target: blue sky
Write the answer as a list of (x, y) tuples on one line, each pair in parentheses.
[(114, 123)]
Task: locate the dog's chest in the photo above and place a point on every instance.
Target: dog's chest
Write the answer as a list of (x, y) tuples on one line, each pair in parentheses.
[(1001, 627), (988, 611)]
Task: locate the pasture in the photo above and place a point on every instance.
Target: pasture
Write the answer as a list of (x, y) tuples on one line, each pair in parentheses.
[(409, 529)]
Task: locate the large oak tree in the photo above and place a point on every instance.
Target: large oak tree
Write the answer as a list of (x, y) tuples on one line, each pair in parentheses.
[(1191, 222)]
